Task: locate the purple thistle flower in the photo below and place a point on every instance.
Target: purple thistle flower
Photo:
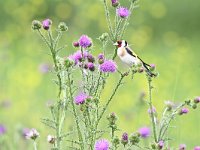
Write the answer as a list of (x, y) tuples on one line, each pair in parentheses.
[(101, 56), (25, 131), (197, 148), (197, 100), (46, 24), (102, 145), (108, 66), (160, 144), (184, 111), (123, 12), (90, 66), (182, 147), (124, 139), (80, 99), (44, 68), (32, 134), (85, 41), (144, 132), (115, 3), (78, 56), (2, 129)]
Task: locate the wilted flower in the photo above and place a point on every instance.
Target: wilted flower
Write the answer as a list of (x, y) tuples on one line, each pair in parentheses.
[(46, 24), (85, 41), (51, 139), (169, 105), (32, 134), (183, 111), (115, 3), (182, 147), (124, 139), (123, 12), (102, 145), (144, 132), (108, 66), (90, 58), (2, 129), (197, 148), (80, 99)]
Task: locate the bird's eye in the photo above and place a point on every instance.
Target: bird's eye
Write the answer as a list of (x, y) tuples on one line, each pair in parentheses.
[(119, 42)]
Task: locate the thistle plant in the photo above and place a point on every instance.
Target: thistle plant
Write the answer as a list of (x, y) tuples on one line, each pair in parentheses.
[(82, 97)]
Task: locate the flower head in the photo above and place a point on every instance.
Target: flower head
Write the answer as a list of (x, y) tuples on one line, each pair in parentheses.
[(169, 105), (115, 3), (80, 99), (85, 41), (78, 56), (182, 147), (184, 111), (123, 12), (90, 66), (102, 145), (197, 100), (51, 139), (2, 129), (197, 148), (46, 24), (108, 66), (25, 131), (160, 144), (124, 139), (32, 134), (144, 132)]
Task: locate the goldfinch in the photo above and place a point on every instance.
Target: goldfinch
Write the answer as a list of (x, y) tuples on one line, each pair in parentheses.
[(129, 57)]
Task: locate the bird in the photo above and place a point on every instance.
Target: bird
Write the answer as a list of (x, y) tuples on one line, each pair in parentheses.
[(129, 57)]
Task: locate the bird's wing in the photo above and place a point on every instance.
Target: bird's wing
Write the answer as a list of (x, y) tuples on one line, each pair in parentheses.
[(129, 51)]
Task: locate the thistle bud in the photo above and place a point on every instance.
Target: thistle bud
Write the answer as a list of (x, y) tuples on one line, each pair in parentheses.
[(36, 25), (46, 24), (116, 141), (76, 44), (68, 63), (124, 139), (134, 138), (152, 67), (62, 27), (104, 37), (112, 118), (197, 100), (194, 106), (160, 145), (115, 3)]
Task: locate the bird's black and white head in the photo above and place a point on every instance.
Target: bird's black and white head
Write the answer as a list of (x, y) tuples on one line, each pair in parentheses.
[(121, 43)]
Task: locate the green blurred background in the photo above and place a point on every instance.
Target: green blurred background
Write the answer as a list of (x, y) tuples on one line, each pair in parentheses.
[(162, 32)]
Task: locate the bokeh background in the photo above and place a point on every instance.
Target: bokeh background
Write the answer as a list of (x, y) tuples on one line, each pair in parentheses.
[(162, 32)]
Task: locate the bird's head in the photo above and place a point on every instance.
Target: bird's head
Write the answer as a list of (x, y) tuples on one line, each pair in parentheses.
[(121, 43)]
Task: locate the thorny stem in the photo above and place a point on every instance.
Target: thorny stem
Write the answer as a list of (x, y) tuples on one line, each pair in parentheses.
[(108, 18), (75, 113), (151, 108), (111, 97), (162, 134)]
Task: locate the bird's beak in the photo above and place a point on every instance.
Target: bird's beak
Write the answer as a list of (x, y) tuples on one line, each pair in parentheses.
[(116, 44)]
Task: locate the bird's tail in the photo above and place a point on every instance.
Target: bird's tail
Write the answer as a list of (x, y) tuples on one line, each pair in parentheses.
[(148, 71), (147, 66)]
